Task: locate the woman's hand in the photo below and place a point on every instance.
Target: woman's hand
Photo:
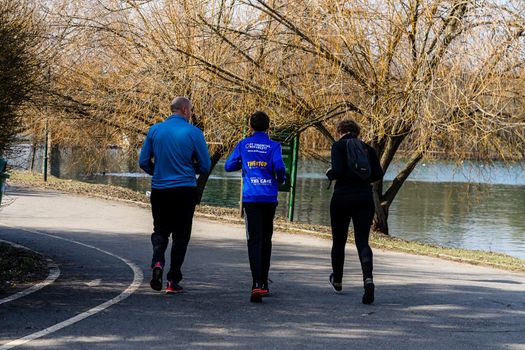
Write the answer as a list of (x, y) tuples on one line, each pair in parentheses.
[(329, 174)]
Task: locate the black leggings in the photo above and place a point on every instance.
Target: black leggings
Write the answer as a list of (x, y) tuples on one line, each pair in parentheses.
[(359, 209), (172, 210), (259, 230)]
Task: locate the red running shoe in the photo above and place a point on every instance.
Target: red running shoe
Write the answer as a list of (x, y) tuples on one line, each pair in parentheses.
[(256, 296), (173, 288), (265, 290)]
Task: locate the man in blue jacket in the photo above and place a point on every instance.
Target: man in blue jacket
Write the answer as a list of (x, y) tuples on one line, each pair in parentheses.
[(262, 171), (174, 151)]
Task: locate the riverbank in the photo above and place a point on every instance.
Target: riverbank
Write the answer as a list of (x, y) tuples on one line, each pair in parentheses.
[(473, 257)]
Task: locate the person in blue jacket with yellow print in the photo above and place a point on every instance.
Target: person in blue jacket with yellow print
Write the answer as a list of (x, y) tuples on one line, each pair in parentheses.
[(263, 170)]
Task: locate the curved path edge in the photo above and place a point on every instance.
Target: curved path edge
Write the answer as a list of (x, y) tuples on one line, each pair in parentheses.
[(137, 281), (53, 274)]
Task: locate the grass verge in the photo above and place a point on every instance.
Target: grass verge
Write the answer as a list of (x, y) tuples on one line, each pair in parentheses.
[(474, 257), (19, 266)]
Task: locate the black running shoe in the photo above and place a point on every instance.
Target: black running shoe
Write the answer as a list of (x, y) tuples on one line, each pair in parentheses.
[(173, 288), (368, 297), (256, 296), (337, 287), (156, 277)]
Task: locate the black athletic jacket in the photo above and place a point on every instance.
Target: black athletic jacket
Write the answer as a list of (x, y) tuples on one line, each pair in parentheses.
[(346, 184)]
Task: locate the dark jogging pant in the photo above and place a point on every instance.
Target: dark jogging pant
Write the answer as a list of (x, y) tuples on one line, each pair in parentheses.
[(259, 230), (360, 210), (172, 210)]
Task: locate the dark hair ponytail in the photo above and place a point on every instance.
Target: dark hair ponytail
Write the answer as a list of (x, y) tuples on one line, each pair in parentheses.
[(348, 126)]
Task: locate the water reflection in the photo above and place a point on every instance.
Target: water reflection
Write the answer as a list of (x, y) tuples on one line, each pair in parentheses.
[(478, 216), (437, 205), (473, 216)]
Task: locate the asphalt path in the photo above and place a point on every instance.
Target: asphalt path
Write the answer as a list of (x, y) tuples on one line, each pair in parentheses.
[(102, 298)]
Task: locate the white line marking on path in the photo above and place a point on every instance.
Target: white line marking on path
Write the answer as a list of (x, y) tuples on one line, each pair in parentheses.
[(94, 283), (54, 272), (137, 281)]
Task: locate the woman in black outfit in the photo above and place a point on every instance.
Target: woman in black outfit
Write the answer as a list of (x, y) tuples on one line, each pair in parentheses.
[(352, 200)]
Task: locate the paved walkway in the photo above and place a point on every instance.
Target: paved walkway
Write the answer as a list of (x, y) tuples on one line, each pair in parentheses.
[(101, 301)]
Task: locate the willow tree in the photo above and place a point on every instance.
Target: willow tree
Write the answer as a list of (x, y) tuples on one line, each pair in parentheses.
[(21, 62), (420, 75), (115, 76), (121, 63)]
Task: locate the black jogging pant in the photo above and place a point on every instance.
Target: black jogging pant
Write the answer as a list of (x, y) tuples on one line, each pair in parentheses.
[(173, 210), (359, 209), (259, 230)]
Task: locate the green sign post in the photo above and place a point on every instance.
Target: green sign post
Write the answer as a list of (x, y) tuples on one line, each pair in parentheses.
[(290, 151), (46, 152), (3, 177)]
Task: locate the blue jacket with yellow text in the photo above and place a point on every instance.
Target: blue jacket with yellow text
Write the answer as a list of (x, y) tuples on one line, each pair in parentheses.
[(262, 167)]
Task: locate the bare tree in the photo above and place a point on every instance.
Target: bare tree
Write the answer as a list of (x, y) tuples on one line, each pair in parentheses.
[(421, 76)]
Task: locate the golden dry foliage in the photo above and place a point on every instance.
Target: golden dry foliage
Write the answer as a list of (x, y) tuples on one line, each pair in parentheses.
[(422, 77), (22, 61)]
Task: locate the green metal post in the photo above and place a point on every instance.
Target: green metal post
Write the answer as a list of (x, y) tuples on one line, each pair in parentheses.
[(241, 212), (45, 153), (293, 180), (244, 133), (47, 130)]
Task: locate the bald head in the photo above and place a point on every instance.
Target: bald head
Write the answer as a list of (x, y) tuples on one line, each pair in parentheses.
[(181, 105)]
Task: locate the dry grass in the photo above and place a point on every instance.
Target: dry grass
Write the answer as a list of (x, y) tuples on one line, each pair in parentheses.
[(19, 266), (474, 257)]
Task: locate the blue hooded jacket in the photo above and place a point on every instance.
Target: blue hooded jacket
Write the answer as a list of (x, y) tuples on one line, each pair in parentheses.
[(262, 167)]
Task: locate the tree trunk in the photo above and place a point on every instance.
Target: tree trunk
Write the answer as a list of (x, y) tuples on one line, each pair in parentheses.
[(33, 155), (203, 179), (382, 201), (380, 223), (54, 164)]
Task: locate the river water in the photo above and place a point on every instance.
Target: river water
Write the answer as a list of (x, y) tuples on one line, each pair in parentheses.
[(468, 205)]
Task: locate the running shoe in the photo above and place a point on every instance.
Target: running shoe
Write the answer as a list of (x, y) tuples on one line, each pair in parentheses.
[(265, 290), (156, 277), (173, 288), (337, 287), (256, 296), (368, 297)]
